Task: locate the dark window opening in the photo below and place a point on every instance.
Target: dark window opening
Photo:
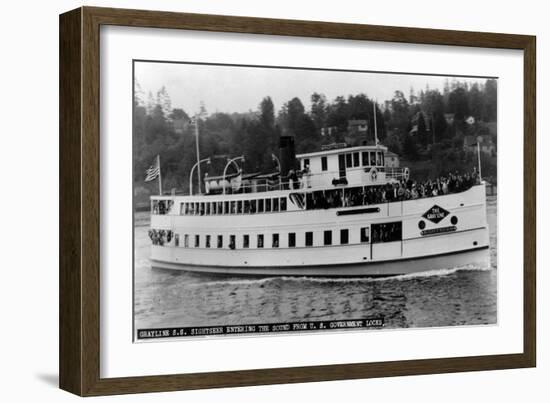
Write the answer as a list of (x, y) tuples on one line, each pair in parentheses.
[(232, 242), (283, 204), (246, 241), (291, 239), (220, 241), (260, 241), (365, 156), (355, 159), (309, 238), (349, 162), (275, 241), (324, 164), (197, 241), (260, 205), (364, 234), (344, 236), (327, 237)]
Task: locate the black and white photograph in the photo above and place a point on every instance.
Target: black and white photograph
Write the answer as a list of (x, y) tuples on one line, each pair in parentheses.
[(270, 199)]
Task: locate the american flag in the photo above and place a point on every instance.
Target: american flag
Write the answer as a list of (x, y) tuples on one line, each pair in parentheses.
[(153, 171)]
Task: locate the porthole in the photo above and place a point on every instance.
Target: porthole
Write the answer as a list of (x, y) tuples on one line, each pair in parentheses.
[(421, 224), (454, 220)]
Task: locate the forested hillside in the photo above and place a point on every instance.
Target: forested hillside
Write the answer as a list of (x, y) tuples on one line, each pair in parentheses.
[(426, 129)]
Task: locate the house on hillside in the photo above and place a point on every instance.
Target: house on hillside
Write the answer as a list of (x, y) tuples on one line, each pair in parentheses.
[(180, 125), (449, 118), (358, 126), (328, 131), (391, 159)]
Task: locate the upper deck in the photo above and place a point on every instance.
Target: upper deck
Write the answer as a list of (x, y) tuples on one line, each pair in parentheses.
[(331, 168), (352, 166)]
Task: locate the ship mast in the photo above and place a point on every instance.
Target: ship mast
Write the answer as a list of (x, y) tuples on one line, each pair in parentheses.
[(198, 153)]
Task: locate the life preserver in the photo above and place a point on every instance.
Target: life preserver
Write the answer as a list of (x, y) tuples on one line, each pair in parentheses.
[(374, 174), (406, 174)]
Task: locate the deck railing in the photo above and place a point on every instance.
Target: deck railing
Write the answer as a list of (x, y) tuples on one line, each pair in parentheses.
[(397, 174), (305, 181)]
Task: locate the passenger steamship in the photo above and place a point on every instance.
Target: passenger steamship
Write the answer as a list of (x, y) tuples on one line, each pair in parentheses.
[(341, 211)]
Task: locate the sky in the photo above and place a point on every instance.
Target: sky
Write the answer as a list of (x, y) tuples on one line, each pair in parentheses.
[(240, 89)]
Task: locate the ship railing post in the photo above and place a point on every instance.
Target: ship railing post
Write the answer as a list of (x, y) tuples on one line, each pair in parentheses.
[(207, 160), (227, 166)]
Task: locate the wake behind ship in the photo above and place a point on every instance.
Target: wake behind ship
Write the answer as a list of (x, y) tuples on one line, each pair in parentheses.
[(341, 211)]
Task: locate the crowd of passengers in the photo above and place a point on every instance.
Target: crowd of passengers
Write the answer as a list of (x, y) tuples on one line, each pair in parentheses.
[(390, 192), (162, 206), (350, 197), (387, 232), (160, 237)]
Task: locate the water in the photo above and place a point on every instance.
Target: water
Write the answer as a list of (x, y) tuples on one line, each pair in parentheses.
[(448, 297)]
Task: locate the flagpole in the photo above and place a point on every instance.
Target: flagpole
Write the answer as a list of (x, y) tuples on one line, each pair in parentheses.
[(375, 128), (198, 153), (479, 161), (160, 176)]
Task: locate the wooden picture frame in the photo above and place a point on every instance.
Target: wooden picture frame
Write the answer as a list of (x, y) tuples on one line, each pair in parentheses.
[(79, 346)]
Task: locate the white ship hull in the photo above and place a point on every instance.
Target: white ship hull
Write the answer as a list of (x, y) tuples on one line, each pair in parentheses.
[(439, 244), (478, 256)]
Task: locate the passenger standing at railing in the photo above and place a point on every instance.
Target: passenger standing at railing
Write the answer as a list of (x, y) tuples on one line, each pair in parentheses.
[(305, 177), (445, 187), (293, 179), (414, 193)]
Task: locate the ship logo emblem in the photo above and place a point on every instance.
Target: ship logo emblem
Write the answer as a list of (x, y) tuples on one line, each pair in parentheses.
[(435, 214)]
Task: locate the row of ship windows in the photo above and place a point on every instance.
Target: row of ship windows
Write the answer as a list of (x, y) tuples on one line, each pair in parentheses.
[(234, 207), (382, 232), (275, 239), (369, 158)]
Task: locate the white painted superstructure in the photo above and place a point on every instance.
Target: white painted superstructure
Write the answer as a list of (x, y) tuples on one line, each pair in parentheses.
[(286, 231)]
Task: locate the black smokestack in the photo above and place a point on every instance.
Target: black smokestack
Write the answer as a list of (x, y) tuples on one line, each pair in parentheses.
[(287, 155)]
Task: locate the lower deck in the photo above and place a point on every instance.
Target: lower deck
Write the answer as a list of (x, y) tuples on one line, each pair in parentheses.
[(379, 240)]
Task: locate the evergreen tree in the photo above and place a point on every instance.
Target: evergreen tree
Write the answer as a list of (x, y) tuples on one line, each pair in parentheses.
[(164, 101), (318, 110), (490, 101)]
